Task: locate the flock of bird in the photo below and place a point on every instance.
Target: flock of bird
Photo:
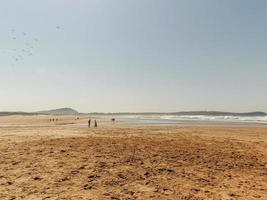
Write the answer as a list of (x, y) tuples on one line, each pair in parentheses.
[(25, 41)]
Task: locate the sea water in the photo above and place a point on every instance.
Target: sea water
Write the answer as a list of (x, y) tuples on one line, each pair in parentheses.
[(161, 119)]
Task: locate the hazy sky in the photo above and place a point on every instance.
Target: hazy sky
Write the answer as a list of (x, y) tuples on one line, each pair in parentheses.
[(133, 55)]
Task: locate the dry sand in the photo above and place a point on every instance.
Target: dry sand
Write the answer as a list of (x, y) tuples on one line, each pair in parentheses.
[(66, 160)]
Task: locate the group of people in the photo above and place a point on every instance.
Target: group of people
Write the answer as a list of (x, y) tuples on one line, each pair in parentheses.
[(89, 123), (95, 122), (53, 120)]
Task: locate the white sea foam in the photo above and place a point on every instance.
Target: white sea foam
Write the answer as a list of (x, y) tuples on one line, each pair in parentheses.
[(215, 118), (173, 118)]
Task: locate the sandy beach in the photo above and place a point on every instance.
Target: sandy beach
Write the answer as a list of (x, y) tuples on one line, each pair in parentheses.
[(40, 159)]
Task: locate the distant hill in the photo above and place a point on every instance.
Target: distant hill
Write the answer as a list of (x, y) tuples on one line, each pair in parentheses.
[(60, 111), (206, 113), (70, 111)]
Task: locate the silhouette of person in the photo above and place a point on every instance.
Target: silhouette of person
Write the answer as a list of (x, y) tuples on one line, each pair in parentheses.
[(95, 124), (89, 123)]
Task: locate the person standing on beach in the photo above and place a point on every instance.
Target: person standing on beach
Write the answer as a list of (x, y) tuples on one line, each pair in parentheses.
[(95, 124), (89, 123)]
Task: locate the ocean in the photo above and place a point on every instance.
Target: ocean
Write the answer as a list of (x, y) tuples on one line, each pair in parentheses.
[(176, 119)]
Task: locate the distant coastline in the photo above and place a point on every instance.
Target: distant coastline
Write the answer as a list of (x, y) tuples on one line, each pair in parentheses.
[(192, 113), (70, 111)]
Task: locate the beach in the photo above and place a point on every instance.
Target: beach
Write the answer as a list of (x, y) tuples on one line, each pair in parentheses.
[(65, 159)]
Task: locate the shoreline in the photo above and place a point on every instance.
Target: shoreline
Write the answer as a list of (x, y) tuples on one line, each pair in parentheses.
[(105, 120)]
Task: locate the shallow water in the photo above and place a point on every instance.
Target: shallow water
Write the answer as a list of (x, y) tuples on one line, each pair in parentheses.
[(187, 119)]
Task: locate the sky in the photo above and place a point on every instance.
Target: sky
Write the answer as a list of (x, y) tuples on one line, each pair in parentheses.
[(133, 55)]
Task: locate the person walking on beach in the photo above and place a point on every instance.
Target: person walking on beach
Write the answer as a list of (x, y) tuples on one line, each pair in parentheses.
[(89, 123), (95, 124)]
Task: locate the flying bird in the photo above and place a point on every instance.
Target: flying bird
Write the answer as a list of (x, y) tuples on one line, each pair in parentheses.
[(26, 49)]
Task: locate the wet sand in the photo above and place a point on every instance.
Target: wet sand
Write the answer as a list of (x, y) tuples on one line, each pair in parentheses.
[(40, 159)]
